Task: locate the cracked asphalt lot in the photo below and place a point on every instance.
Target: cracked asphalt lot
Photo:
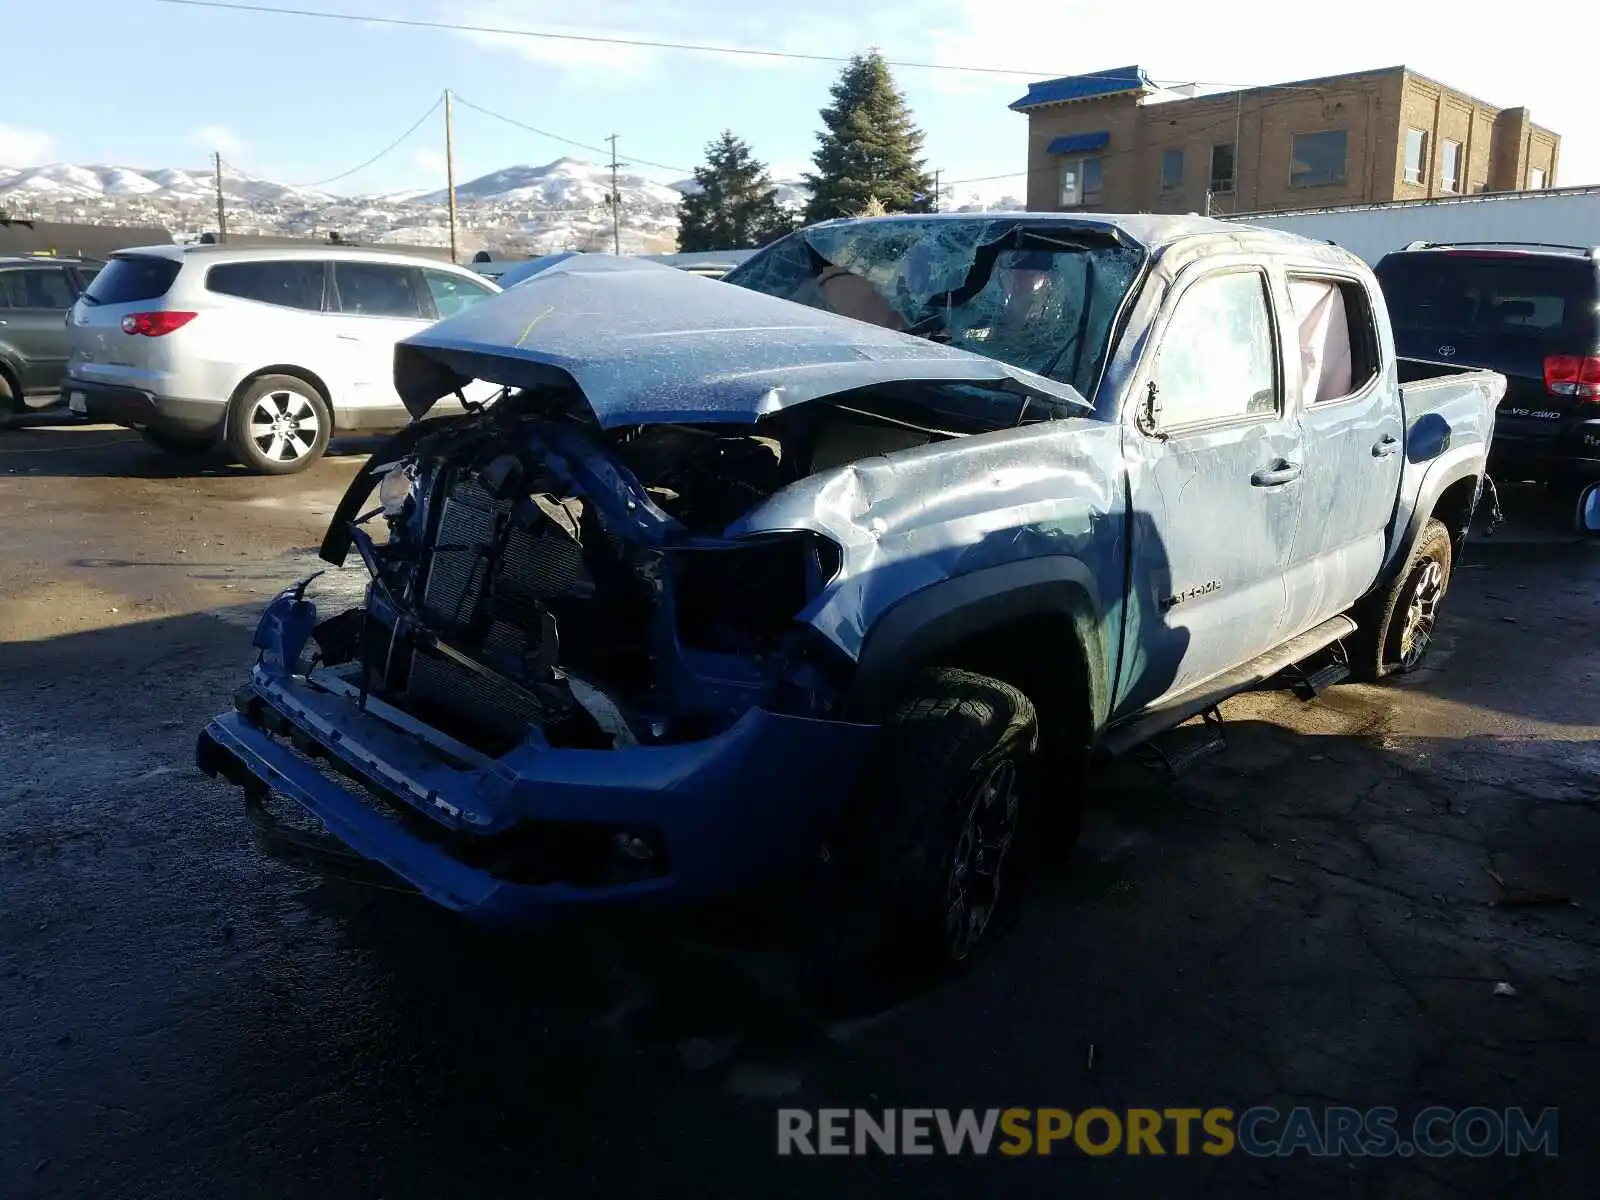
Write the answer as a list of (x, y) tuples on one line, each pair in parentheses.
[(1319, 914)]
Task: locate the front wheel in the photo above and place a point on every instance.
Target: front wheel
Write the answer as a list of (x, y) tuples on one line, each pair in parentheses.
[(278, 425), (11, 406), (928, 849), (1397, 625)]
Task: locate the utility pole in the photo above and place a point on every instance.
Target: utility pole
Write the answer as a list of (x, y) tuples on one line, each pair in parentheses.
[(937, 195), (222, 212), (615, 199), (450, 172)]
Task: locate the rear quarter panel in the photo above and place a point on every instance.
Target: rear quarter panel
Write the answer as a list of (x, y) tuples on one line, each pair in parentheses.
[(1449, 429)]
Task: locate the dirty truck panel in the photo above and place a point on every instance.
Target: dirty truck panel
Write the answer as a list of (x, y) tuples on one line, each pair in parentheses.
[(725, 560)]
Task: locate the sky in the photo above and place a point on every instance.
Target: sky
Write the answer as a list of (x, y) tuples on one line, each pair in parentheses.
[(147, 84)]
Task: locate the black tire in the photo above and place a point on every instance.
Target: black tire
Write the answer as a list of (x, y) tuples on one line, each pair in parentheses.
[(11, 406), (278, 425), (1396, 625), (184, 447), (931, 836)]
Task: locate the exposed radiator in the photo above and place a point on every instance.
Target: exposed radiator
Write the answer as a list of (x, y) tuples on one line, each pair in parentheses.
[(463, 592)]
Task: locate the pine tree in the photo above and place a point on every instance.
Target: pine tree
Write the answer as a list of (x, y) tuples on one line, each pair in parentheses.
[(870, 148), (736, 206)]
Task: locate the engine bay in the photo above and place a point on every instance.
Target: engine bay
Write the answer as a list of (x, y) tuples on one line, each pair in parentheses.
[(543, 577)]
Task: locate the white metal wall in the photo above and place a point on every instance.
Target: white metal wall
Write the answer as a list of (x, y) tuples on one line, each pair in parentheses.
[(1569, 216)]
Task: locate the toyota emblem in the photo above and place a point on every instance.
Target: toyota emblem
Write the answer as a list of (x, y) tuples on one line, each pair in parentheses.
[(1447, 351)]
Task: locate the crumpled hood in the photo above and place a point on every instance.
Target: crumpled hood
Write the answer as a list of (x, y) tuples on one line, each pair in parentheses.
[(649, 344)]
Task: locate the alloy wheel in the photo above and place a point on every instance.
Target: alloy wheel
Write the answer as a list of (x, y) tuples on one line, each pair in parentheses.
[(972, 889), (1421, 613), (284, 426)]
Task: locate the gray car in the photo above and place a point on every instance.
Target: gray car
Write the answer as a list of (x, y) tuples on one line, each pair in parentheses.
[(35, 294), (265, 351)]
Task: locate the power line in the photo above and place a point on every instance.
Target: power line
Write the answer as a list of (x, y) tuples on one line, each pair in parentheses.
[(636, 43), (556, 137), (391, 146)]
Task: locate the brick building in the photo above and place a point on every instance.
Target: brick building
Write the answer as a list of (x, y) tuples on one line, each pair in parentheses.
[(1113, 141)]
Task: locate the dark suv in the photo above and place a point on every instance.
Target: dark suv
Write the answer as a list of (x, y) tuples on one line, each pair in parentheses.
[(1528, 310), (35, 294)]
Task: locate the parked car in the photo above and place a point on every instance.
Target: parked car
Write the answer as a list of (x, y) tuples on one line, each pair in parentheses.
[(35, 294), (267, 351), (728, 585), (1530, 312)]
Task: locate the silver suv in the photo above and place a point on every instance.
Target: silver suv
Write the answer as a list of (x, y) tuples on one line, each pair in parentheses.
[(267, 351)]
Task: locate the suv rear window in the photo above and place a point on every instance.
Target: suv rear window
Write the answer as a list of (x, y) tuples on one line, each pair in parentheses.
[(288, 284), (131, 279), (1523, 296)]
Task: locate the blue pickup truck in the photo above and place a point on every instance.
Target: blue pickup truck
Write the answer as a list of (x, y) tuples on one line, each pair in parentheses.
[(856, 558)]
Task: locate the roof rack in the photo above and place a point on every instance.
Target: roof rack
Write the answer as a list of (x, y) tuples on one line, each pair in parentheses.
[(1587, 251)]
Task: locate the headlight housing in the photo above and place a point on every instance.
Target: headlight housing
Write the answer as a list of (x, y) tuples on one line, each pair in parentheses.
[(396, 490)]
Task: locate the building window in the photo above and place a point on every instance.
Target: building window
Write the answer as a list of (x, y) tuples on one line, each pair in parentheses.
[(1450, 177), (1535, 178), (1171, 170), (1416, 155), (1080, 182), (1318, 158), (1222, 169)]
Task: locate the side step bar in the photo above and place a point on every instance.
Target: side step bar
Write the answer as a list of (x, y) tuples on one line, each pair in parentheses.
[(1124, 737)]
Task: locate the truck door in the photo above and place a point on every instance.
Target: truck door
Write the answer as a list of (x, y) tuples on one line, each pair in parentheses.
[(1354, 437), (1215, 488)]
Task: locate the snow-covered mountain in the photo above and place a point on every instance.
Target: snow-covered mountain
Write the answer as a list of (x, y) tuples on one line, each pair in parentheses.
[(524, 209), (792, 193), (565, 183), (65, 181)]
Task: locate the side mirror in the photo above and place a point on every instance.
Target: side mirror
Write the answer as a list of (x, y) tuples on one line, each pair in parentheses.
[(1587, 517)]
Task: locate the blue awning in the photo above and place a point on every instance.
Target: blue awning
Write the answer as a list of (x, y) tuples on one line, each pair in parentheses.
[(1077, 143), (1084, 87)]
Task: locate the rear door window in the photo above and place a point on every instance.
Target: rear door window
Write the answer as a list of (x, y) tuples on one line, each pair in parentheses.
[(35, 287), (287, 284), (453, 294), (1512, 297), (381, 290), (132, 279), (1337, 338)]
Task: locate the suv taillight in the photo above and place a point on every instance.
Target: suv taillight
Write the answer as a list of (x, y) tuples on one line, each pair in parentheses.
[(155, 324), (1573, 375)]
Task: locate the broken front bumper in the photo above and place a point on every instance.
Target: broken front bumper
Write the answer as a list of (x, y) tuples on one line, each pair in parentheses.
[(522, 837)]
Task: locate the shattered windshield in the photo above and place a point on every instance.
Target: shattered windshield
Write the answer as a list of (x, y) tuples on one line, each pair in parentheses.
[(1038, 296)]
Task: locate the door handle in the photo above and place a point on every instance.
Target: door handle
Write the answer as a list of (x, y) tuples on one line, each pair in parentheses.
[(1386, 446), (1276, 475), (347, 337)]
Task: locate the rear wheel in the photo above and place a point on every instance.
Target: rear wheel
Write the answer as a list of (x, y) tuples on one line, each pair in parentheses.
[(278, 425), (928, 849), (1397, 625)]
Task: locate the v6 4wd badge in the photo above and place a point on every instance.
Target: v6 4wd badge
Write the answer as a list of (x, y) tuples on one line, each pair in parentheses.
[(1537, 414)]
